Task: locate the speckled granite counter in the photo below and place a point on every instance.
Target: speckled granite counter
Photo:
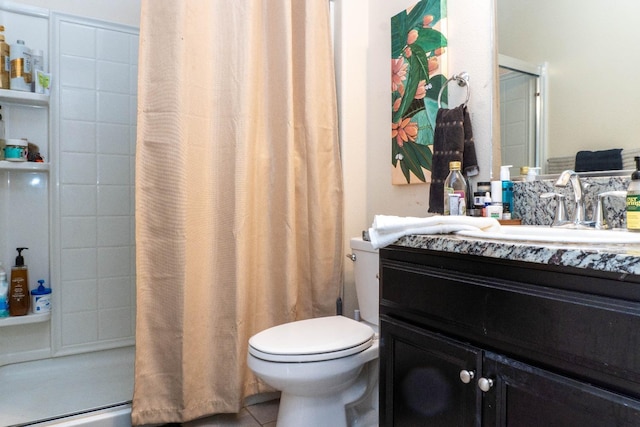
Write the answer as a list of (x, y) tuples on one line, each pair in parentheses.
[(533, 210), (623, 259)]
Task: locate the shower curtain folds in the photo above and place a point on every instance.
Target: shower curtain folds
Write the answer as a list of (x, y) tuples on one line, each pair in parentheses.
[(238, 193)]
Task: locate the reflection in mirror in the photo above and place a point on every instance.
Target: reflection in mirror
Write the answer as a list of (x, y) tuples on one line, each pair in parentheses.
[(592, 60), (522, 99)]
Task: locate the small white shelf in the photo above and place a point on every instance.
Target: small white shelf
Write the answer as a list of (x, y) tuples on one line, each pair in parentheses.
[(24, 98), (23, 166), (23, 320)]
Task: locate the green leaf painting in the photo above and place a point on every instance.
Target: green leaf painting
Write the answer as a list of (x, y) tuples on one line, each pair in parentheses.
[(418, 62)]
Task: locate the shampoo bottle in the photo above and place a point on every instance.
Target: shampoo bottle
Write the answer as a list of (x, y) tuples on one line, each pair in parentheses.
[(633, 199), (507, 192), (19, 297)]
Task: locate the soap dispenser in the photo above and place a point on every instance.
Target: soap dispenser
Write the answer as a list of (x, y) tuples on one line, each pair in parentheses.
[(19, 297), (532, 174), (633, 199)]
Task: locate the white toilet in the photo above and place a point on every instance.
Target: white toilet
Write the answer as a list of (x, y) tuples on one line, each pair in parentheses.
[(326, 368)]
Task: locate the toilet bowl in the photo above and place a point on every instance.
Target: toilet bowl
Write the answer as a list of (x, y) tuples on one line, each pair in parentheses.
[(326, 368)]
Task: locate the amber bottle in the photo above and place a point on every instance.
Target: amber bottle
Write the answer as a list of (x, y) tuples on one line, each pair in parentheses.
[(19, 298)]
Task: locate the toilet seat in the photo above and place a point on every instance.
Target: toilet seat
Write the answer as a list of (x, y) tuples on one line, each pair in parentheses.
[(312, 340)]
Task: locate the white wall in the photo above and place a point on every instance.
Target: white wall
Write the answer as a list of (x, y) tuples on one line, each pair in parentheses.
[(363, 68), (364, 73), (592, 53), (120, 11)]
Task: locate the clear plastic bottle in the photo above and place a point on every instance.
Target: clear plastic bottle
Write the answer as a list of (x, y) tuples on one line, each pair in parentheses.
[(455, 186), (4, 293)]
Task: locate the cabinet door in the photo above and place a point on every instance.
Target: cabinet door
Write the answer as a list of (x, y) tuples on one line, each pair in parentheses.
[(524, 396), (420, 378)]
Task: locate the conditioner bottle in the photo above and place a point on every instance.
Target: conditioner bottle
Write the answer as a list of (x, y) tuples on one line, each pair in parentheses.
[(633, 199), (19, 297)]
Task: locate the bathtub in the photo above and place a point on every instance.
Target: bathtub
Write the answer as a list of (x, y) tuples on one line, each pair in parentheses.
[(117, 416), (90, 389)]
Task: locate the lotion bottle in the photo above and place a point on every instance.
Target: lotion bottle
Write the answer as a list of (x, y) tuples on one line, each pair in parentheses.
[(633, 199), (19, 296)]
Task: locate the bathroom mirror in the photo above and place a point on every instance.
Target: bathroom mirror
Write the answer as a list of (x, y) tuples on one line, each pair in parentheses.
[(590, 49)]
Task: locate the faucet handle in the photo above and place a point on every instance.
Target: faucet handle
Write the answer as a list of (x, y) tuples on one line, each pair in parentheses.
[(599, 215), (561, 217)]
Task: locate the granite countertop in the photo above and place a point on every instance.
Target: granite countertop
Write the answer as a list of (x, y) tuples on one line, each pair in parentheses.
[(624, 259)]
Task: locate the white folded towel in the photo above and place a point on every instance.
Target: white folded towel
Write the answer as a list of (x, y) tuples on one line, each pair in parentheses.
[(387, 229)]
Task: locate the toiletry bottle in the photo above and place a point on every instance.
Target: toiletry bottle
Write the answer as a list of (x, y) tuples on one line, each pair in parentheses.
[(19, 299), (633, 199), (5, 61), (484, 187), (41, 299), (507, 192), (455, 186), (486, 203), (37, 64), (496, 201), (4, 293), (532, 174), (20, 56)]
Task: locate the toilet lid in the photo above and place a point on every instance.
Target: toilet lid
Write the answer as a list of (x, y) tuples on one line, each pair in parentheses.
[(312, 340)]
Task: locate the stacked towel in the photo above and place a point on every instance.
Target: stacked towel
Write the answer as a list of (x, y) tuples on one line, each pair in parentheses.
[(603, 160), (452, 141), (387, 229)]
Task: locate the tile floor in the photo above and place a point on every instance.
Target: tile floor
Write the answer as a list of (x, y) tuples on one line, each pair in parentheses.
[(256, 415)]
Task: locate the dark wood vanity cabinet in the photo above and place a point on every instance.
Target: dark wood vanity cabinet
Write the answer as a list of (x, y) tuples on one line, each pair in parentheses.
[(473, 341)]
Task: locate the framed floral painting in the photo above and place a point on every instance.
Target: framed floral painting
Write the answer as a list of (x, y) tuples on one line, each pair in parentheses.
[(418, 70)]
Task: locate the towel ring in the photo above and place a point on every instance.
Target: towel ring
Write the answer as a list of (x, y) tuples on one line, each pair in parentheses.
[(463, 80)]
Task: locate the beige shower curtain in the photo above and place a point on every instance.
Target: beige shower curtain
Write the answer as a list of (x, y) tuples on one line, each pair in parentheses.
[(238, 193)]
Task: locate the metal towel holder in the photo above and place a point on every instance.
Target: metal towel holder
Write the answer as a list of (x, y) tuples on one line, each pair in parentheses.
[(463, 81)]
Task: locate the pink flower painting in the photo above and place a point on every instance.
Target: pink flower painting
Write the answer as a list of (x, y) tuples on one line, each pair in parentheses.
[(418, 62)]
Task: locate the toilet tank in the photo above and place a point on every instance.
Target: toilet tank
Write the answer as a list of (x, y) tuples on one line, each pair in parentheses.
[(366, 278)]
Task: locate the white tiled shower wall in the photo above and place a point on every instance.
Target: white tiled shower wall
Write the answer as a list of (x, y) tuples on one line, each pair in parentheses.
[(97, 69), (79, 217)]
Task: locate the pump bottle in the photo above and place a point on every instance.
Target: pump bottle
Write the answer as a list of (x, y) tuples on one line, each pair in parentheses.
[(19, 297), (507, 191)]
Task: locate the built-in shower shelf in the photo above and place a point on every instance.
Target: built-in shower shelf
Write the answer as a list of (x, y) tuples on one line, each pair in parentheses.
[(23, 320), (24, 98), (23, 166)]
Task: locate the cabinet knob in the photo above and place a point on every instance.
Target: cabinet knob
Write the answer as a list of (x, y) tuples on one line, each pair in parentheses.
[(466, 376), (485, 383)]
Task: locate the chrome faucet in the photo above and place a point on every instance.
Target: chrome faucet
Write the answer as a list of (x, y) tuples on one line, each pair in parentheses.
[(600, 216), (569, 176)]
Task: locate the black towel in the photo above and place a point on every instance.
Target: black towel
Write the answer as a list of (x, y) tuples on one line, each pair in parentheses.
[(603, 160), (452, 141)]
